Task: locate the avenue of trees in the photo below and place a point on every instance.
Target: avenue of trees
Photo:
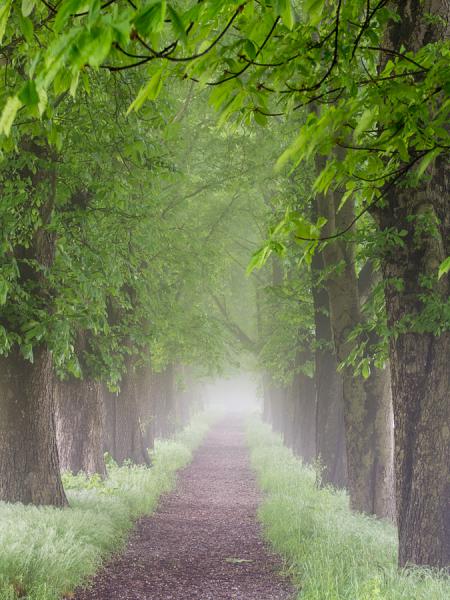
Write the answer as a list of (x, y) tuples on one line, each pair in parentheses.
[(152, 152)]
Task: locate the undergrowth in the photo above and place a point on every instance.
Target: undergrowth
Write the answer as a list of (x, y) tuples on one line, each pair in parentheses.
[(46, 552), (330, 552)]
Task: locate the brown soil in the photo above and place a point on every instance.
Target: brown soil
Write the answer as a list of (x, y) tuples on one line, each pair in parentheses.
[(204, 541)]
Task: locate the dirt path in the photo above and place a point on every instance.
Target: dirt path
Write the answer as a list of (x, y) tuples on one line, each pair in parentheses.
[(188, 549)]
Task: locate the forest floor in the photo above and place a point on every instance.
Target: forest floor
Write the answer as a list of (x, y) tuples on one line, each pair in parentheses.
[(204, 541)]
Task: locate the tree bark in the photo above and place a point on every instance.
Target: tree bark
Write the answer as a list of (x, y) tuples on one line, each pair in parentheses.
[(330, 433), (364, 413), (29, 467), (330, 430), (277, 396), (109, 429), (289, 414), (304, 418), (164, 401), (419, 356), (185, 395), (145, 404), (420, 386), (125, 441), (379, 401), (79, 426)]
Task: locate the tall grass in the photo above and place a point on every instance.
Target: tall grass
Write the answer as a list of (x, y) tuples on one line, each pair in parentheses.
[(46, 552), (331, 553)]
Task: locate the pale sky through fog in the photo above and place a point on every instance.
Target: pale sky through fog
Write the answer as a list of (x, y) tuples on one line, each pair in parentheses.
[(238, 393)]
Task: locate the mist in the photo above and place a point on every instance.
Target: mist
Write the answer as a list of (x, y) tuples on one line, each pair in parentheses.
[(237, 393)]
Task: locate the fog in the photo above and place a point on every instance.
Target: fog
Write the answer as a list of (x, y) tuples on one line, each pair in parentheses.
[(236, 393)]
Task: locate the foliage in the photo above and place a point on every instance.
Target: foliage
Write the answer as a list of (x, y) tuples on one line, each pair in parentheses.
[(47, 552), (330, 551), (378, 116), (134, 236)]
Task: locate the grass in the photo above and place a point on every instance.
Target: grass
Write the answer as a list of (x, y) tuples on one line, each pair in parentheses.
[(330, 552), (46, 552)]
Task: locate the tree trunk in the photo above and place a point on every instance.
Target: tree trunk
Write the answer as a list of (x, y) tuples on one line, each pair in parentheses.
[(146, 408), (304, 421), (379, 402), (79, 426), (29, 467), (164, 400), (109, 429), (289, 413), (364, 414), (126, 441), (277, 399), (419, 356), (185, 395), (420, 391), (330, 432)]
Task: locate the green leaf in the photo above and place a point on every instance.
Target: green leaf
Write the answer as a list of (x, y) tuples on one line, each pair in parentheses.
[(233, 105), (426, 161), (314, 10), (86, 84), (295, 151), (151, 19), (325, 178), (98, 45), (303, 230), (177, 24), (4, 287), (259, 258), (27, 7), (26, 27), (251, 49), (28, 94), (284, 9), (149, 91), (67, 8), (121, 30), (4, 15), (444, 267), (27, 352), (9, 114), (365, 121), (260, 118), (365, 370)]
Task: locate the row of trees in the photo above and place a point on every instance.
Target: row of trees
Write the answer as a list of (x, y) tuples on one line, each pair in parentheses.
[(111, 255), (96, 276)]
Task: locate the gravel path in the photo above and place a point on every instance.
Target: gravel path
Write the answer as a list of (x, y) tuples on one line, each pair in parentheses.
[(204, 541)]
